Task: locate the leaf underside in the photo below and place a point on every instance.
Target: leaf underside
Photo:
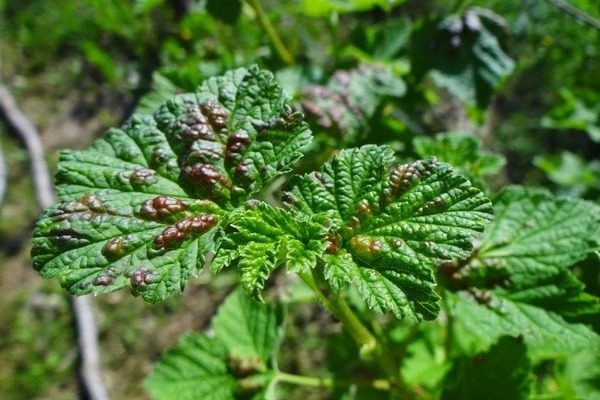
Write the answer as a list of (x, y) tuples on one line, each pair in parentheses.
[(142, 206)]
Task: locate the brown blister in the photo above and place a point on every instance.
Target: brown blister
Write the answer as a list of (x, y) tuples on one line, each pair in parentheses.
[(174, 234)]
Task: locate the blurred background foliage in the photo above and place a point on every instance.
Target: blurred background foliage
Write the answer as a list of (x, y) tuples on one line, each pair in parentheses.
[(516, 81)]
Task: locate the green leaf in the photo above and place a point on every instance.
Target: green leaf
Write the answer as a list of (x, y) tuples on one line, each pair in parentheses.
[(248, 328), (265, 238), (425, 362), (583, 371), (142, 206), (162, 89), (579, 111), (234, 364), (194, 369), (538, 237), (533, 242), (571, 171), (227, 11), (323, 8), (463, 55), (462, 151), (501, 373), (481, 320), (391, 225)]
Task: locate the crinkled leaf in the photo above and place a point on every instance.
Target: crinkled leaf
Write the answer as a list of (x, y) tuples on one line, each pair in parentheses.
[(234, 135), (343, 107), (141, 206), (464, 55), (194, 369), (499, 374), (391, 224), (248, 328), (267, 237), (460, 150)]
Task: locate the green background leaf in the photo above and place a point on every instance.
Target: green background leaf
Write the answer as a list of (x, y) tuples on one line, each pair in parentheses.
[(248, 328), (194, 369), (499, 374), (530, 247)]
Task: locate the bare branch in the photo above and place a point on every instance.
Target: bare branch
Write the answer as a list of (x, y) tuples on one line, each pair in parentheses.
[(89, 370), (27, 132), (3, 176), (575, 13)]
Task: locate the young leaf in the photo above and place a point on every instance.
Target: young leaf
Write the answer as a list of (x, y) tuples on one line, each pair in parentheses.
[(499, 374), (142, 206), (265, 238), (391, 224), (194, 369)]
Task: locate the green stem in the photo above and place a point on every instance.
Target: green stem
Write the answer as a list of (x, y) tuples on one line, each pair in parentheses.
[(379, 384), (365, 340), (264, 21)]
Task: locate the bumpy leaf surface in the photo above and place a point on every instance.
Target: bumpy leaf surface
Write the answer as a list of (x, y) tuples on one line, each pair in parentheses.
[(142, 206), (391, 224), (480, 323), (265, 238), (537, 237), (533, 242)]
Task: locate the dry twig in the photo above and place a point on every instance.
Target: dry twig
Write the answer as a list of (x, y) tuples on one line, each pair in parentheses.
[(3, 176), (89, 369)]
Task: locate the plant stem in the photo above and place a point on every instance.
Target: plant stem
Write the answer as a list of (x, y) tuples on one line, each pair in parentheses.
[(379, 384), (366, 341), (264, 21)]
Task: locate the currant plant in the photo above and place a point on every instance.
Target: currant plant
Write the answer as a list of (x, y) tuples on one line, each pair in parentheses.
[(143, 207)]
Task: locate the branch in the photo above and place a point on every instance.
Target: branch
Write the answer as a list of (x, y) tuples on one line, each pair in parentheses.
[(3, 176), (27, 132), (575, 13), (264, 21), (89, 369)]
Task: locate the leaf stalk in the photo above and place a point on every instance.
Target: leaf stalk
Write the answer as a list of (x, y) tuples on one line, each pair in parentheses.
[(265, 23), (366, 341)]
